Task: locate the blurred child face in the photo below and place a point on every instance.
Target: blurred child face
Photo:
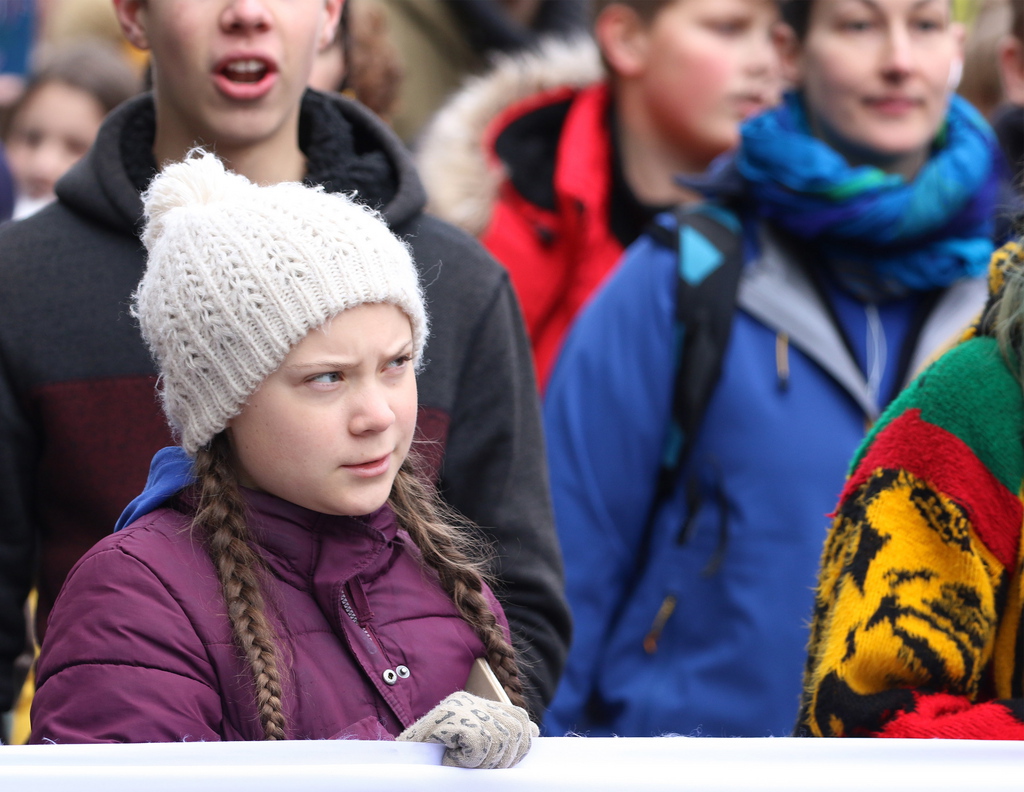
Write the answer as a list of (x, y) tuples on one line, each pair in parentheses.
[(229, 72), (876, 75), (331, 427), (707, 66), (51, 131)]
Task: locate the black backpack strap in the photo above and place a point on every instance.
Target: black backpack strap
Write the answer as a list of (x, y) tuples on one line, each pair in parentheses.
[(708, 242), (710, 258)]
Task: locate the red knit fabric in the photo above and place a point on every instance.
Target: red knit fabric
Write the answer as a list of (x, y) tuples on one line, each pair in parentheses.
[(948, 464), (945, 716)]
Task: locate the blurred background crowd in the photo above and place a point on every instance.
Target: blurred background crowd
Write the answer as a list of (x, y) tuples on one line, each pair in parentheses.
[(556, 131)]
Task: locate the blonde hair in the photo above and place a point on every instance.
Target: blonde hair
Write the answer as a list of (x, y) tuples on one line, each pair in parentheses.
[(219, 518), (1007, 312)]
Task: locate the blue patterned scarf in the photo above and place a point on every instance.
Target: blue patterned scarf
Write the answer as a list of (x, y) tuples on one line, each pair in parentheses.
[(882, 236)]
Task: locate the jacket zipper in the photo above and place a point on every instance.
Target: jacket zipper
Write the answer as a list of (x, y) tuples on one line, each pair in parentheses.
[(346, 604)]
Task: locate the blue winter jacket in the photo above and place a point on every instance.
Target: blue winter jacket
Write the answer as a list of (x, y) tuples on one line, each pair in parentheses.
[(706, 633)]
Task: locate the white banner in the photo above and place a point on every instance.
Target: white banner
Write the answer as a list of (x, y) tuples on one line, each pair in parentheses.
[(564, 763)]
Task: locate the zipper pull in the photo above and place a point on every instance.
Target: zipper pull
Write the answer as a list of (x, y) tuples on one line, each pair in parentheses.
[(346, 604), (668, 606), (359, 602), (782, 361)]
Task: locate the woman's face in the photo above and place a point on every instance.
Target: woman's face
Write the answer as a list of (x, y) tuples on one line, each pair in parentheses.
[(876, 76), (331, 427)]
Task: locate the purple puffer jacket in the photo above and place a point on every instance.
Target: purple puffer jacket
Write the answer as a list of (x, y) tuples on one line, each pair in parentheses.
[(139, 648)]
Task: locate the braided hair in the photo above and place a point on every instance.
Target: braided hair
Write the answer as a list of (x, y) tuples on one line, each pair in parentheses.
[(219, 518), (453, 554)]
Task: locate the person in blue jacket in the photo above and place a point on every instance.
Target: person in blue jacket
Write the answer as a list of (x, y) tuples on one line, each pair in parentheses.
[(866, 204)]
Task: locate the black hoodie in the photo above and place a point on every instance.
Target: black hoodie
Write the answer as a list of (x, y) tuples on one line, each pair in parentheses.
[(79, 417)]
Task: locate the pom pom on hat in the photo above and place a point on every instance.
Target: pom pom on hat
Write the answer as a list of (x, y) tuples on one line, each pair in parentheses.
[(238, 274)]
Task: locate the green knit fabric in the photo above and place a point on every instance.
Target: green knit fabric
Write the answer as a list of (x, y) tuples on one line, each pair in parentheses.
[(948, 393)]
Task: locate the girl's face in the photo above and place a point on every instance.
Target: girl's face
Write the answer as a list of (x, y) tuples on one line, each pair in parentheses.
[(331, 427), (52, 130), (705, 66), (876, 75)]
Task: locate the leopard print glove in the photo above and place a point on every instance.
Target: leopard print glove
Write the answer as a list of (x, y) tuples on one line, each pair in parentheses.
[(475, 732)]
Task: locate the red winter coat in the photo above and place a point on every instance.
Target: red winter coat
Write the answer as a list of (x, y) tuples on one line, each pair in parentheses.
[(522, 157), (558, 251), (139, 648)]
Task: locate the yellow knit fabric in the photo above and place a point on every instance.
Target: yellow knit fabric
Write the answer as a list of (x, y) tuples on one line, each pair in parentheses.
[(916, 628), (925, 614)]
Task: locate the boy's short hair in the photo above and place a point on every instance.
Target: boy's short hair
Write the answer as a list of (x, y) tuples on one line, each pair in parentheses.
[(647, 10)]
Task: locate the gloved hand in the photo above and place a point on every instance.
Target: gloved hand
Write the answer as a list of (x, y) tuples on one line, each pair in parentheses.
[(475, 732)]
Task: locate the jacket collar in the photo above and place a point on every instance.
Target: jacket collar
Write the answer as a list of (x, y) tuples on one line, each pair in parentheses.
[(298, 542), (779, 294)]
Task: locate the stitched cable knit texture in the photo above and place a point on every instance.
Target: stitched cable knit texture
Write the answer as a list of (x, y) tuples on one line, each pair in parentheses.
[(237, 274)]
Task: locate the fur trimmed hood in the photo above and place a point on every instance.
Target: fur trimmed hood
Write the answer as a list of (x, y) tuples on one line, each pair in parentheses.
[(460, 176)]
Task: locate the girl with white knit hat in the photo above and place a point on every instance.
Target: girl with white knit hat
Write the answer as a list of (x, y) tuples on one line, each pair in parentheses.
[(286, 574)]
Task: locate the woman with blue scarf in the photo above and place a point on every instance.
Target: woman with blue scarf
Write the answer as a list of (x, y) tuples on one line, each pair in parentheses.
[(865, 206)]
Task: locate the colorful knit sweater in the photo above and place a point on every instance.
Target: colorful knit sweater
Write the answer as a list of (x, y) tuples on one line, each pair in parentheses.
[(917, 628)]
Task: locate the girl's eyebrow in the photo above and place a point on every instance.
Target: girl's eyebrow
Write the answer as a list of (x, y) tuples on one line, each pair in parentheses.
[(334, 365), (338, 365)]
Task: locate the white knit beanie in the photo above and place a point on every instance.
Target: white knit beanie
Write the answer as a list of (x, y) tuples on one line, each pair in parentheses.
[(238, 274)]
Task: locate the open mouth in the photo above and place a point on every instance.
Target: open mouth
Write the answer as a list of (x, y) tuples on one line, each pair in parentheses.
[(245, 77), (249, 70)]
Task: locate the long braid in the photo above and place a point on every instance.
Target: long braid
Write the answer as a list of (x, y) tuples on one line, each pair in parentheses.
[(452, 554), (220, 515)]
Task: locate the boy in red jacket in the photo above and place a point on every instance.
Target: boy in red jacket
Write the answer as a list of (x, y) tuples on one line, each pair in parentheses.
[(557, 164)]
